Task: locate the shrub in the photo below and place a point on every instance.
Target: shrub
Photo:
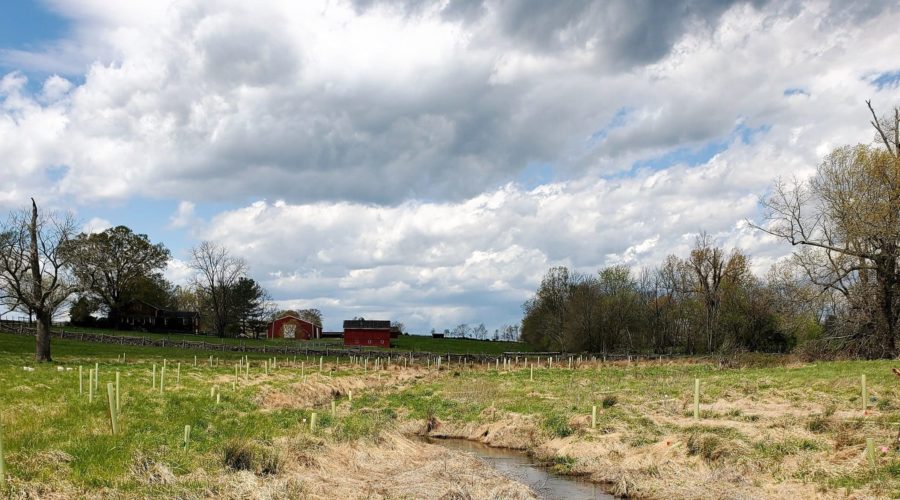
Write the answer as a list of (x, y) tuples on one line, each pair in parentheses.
[(557, 425), (708, 446), (609, 401), (241, 454)]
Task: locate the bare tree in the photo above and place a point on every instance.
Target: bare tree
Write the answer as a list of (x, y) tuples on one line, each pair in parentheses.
[(217, 274), (846, 221), (714, 272), (34, 265)]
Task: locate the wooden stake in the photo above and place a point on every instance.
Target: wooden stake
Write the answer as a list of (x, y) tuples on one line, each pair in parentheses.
[(96, 376), (696, 399), (113, 413), (162, 379), (312, 421), (187, 435), (178, 375), (532, 372), (594, 417), (91, 386), (350, 396), (333, 408), (80, 379), (154, 376)]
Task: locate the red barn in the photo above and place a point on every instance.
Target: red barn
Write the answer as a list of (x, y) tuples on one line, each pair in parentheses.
[(362, 332), (290, 326)]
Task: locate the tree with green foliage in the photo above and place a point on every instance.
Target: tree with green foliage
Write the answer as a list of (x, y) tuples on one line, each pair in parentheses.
[(845, 222), (117, 266), (250, 307)]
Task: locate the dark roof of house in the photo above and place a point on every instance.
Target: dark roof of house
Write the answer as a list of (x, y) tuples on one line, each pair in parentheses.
[(367, 323), (180, 314), (164, 312)]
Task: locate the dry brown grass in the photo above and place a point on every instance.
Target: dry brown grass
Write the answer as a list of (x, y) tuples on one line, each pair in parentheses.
[(391, 466)]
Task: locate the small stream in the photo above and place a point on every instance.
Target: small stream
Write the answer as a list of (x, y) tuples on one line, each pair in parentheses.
[(518, 466)]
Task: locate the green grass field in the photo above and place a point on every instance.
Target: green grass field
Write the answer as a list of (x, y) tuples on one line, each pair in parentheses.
[(419, 343), (53, 435), (766, 422)]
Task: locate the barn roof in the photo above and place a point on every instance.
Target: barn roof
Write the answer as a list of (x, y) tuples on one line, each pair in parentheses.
[(293, 316), (367, 323)]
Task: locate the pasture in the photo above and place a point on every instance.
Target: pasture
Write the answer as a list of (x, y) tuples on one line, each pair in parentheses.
[(767, 426)]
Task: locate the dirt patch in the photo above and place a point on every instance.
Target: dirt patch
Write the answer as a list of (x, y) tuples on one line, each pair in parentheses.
[(512, 430)]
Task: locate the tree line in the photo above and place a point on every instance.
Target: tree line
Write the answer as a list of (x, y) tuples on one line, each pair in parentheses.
[(837, 294), (506, 333), (45, 264)]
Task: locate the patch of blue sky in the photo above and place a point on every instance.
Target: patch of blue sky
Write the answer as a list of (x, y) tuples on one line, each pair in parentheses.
[(618, 120), (26, 24), (536, 174), (886, 79), (153, 218), (795, 91), (29, 25), (697, 155)]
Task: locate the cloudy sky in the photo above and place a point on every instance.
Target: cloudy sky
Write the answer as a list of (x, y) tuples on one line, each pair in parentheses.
[(428, 161)]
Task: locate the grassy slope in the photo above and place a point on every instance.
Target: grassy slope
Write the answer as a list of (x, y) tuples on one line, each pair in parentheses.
[(455, 346)]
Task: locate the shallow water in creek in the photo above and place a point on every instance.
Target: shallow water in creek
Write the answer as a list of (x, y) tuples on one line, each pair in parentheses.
[(520, 467)]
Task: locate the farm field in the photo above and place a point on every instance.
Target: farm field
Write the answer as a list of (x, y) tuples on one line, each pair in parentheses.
[(768, 427), (418, 343)]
